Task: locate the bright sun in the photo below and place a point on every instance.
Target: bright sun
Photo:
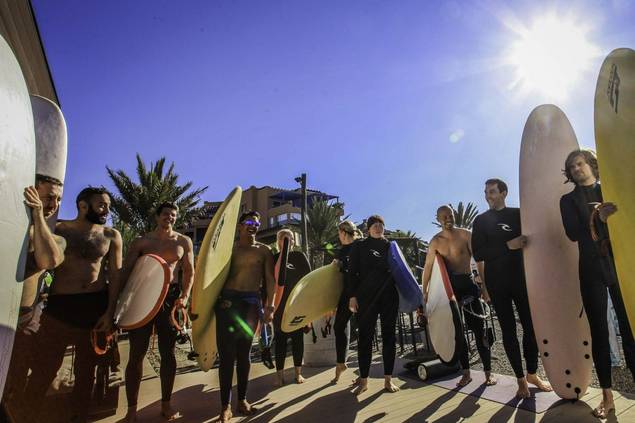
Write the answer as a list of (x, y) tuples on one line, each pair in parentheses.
[(551, 56)]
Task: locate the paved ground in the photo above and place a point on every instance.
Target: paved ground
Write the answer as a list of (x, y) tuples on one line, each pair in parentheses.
[(317, 400)]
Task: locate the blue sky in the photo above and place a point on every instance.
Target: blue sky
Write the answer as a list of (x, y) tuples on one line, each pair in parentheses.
[(397, 107)]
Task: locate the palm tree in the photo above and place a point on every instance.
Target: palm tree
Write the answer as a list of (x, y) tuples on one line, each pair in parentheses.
[(463, 216), (322, 221), (135, 203)]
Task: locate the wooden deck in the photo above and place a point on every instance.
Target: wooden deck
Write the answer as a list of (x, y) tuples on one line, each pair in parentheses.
[(196, 396)]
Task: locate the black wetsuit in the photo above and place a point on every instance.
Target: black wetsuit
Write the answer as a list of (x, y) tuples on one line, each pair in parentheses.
[(597, 272), (373, 286), (67, 320), (464, 288), (139, 342), (343, 314), (505, 281), (237, 316), (280, 338)]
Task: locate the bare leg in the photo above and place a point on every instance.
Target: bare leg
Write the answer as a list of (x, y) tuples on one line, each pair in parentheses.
[(225, 414), (131, 415), (298, 375), (388, 385), (465, 380), (339, 369), (543, 385), (246, 409), (362, 386), (607, 405), (168, 412), (489, 379), (279, 378)]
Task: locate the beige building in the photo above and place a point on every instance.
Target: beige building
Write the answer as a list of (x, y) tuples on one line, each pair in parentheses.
[(279, 208), (20, 31)]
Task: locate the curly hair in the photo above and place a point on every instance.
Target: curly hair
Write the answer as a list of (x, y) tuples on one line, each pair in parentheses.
[(589, 157)]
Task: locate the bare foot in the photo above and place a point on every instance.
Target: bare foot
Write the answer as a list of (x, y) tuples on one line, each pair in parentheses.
[(490, 380), (362, 386), (245, 409), (603, 410), (299, 379), (355, 382), (168, 412), (339, 369), (539, 383), (465, 380), (390, 387), (225, 415), (523, 389), (279, 379), (131, 415)]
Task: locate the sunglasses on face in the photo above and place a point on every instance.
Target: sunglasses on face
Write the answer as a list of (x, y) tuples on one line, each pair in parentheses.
[(253, 223)]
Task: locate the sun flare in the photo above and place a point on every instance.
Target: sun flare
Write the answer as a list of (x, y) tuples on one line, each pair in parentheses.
[(551, 56)]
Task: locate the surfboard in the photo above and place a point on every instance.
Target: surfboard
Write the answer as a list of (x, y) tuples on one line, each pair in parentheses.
[(17, 171), (296, 266), (212, 269), (280, 271), (143, 293), (551, 259), (614, 135), (50, 138), (410, 293), (312, 297), (442, 311)]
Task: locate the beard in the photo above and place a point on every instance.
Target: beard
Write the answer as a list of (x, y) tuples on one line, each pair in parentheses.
[(93, 217)]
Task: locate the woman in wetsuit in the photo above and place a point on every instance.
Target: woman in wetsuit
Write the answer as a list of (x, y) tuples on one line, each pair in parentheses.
[(348, 233), (373, 293)]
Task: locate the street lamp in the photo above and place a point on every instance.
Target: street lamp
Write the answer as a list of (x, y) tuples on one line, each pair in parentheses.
[(303, 223)]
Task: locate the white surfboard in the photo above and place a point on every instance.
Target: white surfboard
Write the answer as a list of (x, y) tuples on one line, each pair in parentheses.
[(17, 171), (442, 311), (551, 259), (144, 292)]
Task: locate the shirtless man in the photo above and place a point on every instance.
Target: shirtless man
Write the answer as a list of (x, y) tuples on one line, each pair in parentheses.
[(238, 310), (174, 248), (46, 251), (453, 244), (82, 299)]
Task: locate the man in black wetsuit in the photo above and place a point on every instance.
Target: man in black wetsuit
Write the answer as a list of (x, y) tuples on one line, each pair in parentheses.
[(597, 269), (238, 309), (292, 276), (373, 293), (497, 240)]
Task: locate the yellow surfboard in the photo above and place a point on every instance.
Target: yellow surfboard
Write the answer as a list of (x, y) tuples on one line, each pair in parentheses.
[(212, 269), (615, 141), (312, 297)]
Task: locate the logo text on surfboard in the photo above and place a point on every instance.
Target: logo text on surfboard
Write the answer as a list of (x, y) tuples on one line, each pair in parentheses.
[(219, 228), (297, 320), (613, 90)]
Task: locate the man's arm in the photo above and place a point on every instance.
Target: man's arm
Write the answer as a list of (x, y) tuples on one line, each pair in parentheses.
[(114, 277), (270, 282), (570, 220), (48, 249), (187, 265)]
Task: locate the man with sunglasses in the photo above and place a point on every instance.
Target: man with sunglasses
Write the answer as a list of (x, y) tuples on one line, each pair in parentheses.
[(239, 309)]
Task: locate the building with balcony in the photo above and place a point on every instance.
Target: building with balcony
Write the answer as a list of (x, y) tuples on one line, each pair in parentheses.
[(279, 208)]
